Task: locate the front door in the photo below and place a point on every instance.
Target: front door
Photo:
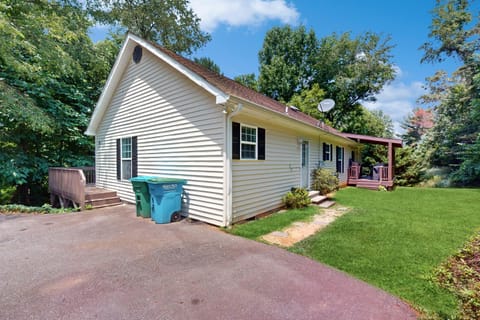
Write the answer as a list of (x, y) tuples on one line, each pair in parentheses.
[(305, 171)]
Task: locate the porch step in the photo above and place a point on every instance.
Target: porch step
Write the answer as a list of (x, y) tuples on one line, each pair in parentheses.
[(318, 199), (313, 193), (326, 204)]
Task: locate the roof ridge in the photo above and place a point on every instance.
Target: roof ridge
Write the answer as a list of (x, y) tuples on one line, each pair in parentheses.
[(237, 89)]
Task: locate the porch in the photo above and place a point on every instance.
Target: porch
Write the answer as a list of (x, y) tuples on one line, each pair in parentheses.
[(76, 187), (381, 174)]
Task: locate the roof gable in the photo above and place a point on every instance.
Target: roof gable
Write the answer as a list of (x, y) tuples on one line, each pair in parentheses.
[(123, 59)]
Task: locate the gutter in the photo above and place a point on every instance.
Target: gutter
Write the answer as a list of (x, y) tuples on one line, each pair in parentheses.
[(228, 164)]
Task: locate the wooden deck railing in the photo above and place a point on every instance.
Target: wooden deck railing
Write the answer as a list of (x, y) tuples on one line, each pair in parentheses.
[(68, 184)]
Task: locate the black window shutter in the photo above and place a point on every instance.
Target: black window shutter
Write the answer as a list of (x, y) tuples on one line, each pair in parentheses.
[(134, 157), (235, 140), (343, 160), (331, 152), (119, 164), (261, 144), (324, 151), (337, 149)]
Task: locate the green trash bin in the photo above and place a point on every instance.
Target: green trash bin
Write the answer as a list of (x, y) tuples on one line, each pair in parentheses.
[(142, 195)]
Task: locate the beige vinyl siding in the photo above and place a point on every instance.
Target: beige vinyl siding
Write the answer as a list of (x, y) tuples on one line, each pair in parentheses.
[(258, 185), (180, 132)]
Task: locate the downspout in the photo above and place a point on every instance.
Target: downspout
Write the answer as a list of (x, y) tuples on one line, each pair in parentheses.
[(228, 164)]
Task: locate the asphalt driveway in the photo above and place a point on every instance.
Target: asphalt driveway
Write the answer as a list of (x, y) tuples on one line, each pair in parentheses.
[(109, 264)]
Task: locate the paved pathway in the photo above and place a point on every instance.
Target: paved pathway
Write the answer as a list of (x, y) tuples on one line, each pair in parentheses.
[(109, 264)]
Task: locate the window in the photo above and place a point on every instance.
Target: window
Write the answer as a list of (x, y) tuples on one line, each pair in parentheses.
[(340, 156), (327, 152), (248, 142), (126, 158)]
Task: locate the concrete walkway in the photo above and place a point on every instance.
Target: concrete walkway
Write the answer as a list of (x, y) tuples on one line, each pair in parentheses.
[(109, 264)]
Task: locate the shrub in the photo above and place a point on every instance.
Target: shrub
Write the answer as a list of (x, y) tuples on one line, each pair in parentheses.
[(460, 274), (324, 181), (45, 209), (296, 198), (6, 194)]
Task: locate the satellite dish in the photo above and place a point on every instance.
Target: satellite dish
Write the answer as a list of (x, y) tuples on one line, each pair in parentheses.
[(326, 105)]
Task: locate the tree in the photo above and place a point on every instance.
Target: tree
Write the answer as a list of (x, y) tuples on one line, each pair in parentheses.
[(348, 70), (286, 61), (352, 70), (248, 80), (208, 63), (308, 100), (416, 125), (455, 100), (171, 23), (51, 78)]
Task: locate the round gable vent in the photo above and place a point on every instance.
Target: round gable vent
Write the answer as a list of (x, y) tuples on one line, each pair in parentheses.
[(137, 54)]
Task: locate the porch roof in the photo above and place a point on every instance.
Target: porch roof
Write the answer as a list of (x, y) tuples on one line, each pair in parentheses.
[(396, 143)]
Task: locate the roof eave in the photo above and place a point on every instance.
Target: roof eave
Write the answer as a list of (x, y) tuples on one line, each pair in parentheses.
[(338, 136)]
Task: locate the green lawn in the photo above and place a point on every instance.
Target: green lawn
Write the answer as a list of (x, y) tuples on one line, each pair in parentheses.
[(395, 240)]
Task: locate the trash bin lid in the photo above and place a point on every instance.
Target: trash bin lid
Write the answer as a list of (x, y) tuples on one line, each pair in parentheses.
[(159, 180), (142, 178)]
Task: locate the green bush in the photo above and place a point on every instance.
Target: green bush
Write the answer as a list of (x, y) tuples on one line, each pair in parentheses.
[(296, 198), (6, 194), (45, 209), (324, 181)]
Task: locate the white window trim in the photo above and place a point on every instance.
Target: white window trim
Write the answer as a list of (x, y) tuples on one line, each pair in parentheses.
[(122, 158), (249, 142)]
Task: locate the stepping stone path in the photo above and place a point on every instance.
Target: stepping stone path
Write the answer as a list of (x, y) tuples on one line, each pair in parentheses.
[(298, 231)]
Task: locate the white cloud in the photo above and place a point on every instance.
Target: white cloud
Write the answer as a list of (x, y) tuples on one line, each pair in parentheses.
[(397, 100), (236, 13)]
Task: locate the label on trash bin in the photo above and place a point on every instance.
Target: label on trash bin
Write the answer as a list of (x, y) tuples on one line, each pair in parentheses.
[(169, 186)]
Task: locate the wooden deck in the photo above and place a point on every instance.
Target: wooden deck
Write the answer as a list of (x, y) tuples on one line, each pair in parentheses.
[(76, 187), (382, 178)]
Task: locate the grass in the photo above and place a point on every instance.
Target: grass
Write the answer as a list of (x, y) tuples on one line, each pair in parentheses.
[(393, 240), (254, 229)]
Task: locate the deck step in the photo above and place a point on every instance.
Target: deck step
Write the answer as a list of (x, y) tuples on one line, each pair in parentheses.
[(99, 197), (368, 185), (107, 205), (93, 193), (103, 201), (318, 199)]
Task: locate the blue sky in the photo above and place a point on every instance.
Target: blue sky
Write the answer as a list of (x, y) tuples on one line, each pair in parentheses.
[(238, 28)]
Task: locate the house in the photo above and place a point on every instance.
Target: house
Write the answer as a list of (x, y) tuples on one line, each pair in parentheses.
[(240, 151)]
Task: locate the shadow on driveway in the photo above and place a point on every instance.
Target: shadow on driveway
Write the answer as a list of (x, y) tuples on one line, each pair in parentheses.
[(109, 264)]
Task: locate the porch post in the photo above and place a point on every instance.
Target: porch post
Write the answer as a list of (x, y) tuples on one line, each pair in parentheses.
[(391, 159)]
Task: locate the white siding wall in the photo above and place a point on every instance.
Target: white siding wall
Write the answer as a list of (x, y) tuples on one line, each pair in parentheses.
[(180, 134), (258, 186), (332, 165)]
